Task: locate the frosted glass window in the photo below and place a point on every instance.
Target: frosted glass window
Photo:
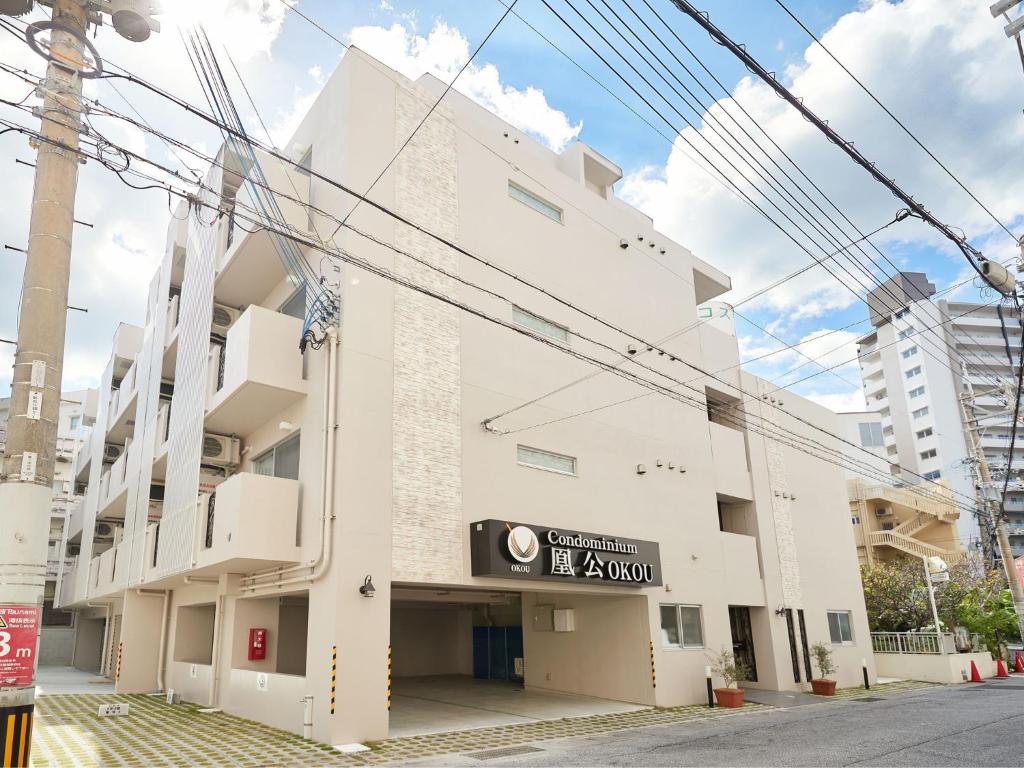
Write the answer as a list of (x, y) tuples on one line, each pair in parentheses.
[(525, 319), (541, 206), (839, 627), (280, 461), (554, 462)]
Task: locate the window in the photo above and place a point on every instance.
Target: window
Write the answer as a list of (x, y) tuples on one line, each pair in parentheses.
[(544, 327), (870, 434), (75, 421), (906, 334), (932, 475), (553, 212), (920, 412), (280, 461), (930, 454), (538, 459), (915, 371), (681, 626), (839, 627), (855, 520), (909, 352), (903, 313), (916, 392), (923, 433)]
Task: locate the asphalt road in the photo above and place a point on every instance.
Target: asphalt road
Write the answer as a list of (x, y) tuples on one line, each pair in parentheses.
[(964, 725)]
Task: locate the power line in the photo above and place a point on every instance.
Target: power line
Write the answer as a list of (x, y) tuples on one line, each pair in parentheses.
[(896, 120)]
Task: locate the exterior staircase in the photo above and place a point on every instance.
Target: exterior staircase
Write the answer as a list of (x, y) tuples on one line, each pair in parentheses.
[(912, 546)]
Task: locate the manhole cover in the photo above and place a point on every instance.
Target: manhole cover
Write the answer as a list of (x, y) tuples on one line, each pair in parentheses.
[(869, 698), (492, 754)]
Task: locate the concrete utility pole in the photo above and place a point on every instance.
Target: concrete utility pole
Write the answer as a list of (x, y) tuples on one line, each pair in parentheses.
[(26, 472)]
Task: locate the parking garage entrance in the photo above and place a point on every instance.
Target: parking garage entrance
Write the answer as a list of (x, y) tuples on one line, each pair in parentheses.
[(458, 661)]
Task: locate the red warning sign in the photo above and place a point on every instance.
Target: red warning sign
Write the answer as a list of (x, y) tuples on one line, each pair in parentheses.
[(19, 625)]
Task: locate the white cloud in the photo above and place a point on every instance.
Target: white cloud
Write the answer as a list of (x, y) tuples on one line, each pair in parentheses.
[(943, 66), (839, 402), (442, 53)]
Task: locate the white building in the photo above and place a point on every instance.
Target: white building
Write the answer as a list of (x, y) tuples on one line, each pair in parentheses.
[(922, 356), (596, 542), (77, 412)]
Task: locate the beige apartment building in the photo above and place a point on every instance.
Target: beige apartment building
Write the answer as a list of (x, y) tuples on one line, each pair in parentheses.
[(301, 538), (896, 519)]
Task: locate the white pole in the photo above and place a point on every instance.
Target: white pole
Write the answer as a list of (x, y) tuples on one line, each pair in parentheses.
[(931, 601)]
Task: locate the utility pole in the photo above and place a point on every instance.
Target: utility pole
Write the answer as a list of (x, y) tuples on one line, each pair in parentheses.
[(26, 472)]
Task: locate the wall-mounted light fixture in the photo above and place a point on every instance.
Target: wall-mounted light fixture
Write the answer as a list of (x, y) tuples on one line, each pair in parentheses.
[(367, 590)]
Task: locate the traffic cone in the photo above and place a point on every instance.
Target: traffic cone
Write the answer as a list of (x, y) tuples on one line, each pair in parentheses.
[(1018, 663), (1001, 669), (975, 675)]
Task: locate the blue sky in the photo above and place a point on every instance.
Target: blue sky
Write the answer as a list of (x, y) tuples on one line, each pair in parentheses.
[(942, 65)]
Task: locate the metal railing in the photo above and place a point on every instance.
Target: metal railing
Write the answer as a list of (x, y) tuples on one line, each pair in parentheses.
[(911, 642)]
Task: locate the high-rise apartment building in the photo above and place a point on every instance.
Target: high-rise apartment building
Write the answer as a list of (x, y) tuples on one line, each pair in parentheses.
[(321, 536), (923, 357)]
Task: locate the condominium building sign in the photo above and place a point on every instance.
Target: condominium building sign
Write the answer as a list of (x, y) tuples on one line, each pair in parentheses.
[(519, 551)]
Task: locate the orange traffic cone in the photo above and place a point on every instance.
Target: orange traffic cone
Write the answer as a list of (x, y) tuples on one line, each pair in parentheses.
[(1018, 663), (1001, 669), (975, 675)]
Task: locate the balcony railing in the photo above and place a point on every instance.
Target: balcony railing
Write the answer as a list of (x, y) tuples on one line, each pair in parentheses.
[(911, 642)]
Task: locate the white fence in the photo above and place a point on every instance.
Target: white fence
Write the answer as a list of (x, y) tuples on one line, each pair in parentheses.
[(911, 642)]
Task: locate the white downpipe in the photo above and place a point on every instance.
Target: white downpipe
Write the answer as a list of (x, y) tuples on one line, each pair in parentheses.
[(307, 717), (106, 635), (164, 618), (218, 621), (286, 576)]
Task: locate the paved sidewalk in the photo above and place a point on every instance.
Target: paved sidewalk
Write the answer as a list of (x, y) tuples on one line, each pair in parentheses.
[(68, 732)]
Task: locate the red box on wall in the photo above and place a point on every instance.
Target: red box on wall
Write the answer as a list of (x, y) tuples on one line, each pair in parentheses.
[(257, 644)]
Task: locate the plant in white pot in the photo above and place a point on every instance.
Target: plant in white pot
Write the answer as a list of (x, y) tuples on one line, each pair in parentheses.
[(725, 665), (823, 685)]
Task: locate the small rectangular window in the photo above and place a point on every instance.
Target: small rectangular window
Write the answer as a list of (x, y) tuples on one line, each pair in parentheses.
[(856, 520), (916, 392), (280, 461), (929, 454), (75, 421), (921, 434), (839, 627), (871, 435), (932, 475), (909, 352), (915, 371), (553, 212), (920, 412), (907, 333), (538, 459), (528, 320), (903, 312), (682, 626)]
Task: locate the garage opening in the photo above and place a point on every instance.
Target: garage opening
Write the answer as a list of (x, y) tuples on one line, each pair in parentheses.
[(458, 661)]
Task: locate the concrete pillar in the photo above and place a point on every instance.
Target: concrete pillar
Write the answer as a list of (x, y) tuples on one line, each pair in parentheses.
[(141, 626)]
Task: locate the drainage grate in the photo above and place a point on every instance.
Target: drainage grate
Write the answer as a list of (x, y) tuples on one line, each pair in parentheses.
[(491, 754), (869, 698)]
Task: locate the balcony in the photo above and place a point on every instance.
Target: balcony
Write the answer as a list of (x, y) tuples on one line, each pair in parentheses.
[(76, 516), (83, 456), (113, 494), (121, 413), (248, 524), (729, 452), (67, 586), (743, 583), (261, 372), (108, 571)]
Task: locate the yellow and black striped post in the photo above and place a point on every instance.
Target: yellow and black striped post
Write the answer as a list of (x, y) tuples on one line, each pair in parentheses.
[(334, 673), (389, 678), (16, 734), (654, 676), (117, 669)]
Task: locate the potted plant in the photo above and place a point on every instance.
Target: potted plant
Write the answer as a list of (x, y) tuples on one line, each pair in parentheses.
[(824, 685), (731, 670)]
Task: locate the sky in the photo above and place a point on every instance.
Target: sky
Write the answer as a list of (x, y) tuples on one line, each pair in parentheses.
[(943, 67)]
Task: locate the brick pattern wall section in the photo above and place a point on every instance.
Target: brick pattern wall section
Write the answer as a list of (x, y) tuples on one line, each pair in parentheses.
[(785, 542), (427, 440)]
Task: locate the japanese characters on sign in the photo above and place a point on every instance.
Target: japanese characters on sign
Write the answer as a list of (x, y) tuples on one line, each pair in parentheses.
[(515, 550), (19, 625)]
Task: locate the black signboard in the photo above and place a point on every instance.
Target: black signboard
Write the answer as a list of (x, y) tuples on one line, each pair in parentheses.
[(522, 551)]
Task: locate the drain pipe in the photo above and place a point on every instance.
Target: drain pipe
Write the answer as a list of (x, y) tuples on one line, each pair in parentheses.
[(106, 635), (218, 621), (307, 717), (164, 618), (253, 583)]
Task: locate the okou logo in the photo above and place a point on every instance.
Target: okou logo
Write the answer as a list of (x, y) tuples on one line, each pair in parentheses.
[(523, 544)]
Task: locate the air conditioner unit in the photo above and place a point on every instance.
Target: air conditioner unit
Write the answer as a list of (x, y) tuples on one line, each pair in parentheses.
[(220, 450), (223, 319), (883, 512), (104, 531), (112, 452)]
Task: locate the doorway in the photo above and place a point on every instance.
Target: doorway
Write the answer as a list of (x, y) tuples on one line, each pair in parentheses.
[(743, 639)]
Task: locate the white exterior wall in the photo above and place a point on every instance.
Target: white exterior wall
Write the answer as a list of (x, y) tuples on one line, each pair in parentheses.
[(414, 467)]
